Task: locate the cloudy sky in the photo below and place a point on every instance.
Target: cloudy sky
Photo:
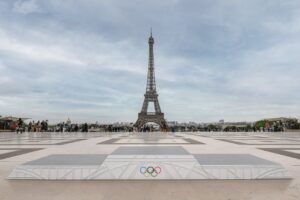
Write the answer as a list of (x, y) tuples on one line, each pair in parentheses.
[(87, 59)]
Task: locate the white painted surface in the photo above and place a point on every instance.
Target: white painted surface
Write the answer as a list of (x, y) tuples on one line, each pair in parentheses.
[(131, 167)]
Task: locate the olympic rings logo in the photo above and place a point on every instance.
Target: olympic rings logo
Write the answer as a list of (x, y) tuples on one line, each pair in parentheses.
[(150, 171)]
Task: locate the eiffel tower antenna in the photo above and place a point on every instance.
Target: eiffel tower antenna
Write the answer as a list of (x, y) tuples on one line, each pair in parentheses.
[(151, 95)]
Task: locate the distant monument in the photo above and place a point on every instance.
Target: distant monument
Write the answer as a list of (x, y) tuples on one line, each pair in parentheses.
[(151, 96)]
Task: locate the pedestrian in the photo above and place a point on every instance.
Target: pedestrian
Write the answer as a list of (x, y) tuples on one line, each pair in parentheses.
[(20, 126), (38, 126), (29, 126), (86, 127), (61, 127), (46, 125)]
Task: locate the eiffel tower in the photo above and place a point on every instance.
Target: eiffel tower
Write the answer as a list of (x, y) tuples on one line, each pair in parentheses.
[(151, 96)]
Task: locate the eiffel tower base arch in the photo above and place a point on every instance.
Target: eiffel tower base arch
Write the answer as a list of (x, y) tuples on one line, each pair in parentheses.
[(157, 118)]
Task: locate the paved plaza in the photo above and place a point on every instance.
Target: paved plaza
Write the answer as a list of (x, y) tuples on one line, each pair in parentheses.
[(197, 165)]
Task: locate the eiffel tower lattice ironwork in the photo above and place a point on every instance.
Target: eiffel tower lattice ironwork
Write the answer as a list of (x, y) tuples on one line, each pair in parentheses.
[(151, 96)]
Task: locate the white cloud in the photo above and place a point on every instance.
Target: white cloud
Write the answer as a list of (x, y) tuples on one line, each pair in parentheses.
[(26, 6)]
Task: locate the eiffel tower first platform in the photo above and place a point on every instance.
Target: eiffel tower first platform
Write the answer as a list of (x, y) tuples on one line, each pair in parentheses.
[(151, 96)]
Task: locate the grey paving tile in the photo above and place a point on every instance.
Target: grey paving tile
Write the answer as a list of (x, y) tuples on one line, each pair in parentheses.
[(16, 152), (151, 150), (70, 159), (283, 151), (231, 159)]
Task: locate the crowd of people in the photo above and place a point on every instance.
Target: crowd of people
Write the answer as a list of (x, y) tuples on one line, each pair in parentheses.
[(38, 126), (32, 126), (42, 126), (68, 127)]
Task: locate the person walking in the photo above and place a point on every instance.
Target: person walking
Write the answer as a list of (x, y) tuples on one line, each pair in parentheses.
[(20, 126), (30, 126), (38, 126), (61, 127), (46, 125)]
